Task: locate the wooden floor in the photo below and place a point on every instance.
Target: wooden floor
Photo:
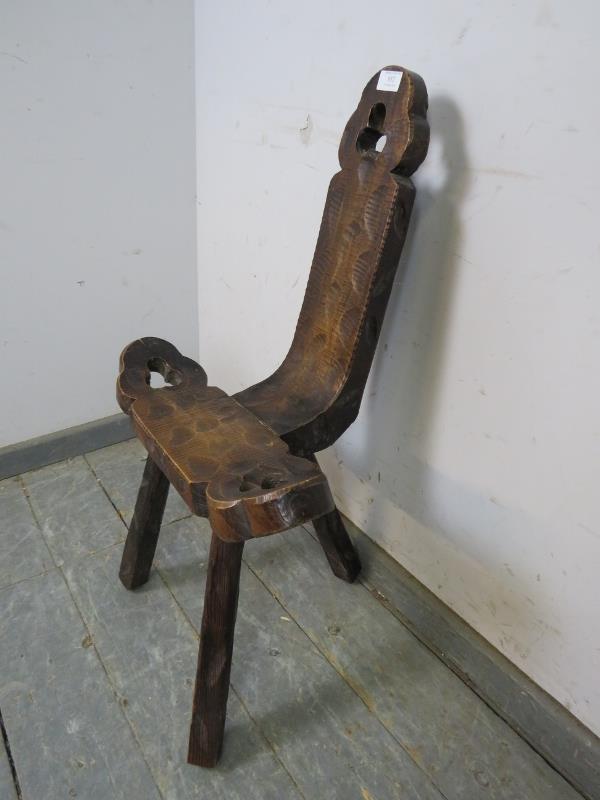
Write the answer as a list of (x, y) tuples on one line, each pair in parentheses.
[(331, 696)]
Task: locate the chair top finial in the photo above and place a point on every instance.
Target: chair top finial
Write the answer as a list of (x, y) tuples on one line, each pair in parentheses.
[(389, 127)]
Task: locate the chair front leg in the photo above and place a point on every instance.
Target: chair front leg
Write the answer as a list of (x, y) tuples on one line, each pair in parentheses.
[(142, 537), (216, 648)]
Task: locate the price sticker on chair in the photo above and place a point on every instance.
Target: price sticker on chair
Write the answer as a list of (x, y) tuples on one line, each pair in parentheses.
[(389, 80)]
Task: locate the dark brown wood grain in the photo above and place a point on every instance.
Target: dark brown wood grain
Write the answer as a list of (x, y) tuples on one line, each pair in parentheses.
[(337, 545), (225, 462), (214, 657), (247, 461), (315, 394), (142, 536)]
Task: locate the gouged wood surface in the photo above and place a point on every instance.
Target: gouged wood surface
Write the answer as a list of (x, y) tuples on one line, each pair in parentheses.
[(195, 432), (315, 394), (224, 461)]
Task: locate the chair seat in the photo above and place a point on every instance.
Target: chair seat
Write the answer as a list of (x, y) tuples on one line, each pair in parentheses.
[(224, 461)]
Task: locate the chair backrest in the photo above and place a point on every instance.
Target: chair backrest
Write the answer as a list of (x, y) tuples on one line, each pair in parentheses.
[(316, 392)]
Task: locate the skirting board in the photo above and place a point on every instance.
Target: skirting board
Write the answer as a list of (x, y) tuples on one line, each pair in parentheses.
[(35, 453), (552, 731)]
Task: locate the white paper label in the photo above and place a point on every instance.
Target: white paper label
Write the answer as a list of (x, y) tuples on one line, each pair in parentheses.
[(389, 81)]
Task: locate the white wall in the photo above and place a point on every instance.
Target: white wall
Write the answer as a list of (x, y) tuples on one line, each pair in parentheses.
[(475, 458), (97, 221)]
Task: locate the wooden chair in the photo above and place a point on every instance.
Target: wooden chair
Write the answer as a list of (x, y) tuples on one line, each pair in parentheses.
[(247, 461)]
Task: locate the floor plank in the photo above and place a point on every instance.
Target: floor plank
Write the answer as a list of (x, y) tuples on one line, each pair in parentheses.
[(556, 735), (149, 650), (24, 552), (73, 511), (333, 746), (119, 469), (67, 735), (332, 696), (462, 744)]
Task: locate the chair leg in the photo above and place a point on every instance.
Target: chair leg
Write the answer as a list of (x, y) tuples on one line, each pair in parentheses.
[(333, 536), (140, 544), (214, 657)]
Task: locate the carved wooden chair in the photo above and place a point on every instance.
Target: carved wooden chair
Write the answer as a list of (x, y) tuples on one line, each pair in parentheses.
[(247, 461)]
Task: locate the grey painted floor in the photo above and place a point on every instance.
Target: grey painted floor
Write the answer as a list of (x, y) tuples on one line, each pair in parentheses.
[(331, 696)]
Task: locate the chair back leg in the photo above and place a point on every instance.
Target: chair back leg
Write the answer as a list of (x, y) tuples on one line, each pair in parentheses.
[(341, 554), (142, 537), (339, 550)]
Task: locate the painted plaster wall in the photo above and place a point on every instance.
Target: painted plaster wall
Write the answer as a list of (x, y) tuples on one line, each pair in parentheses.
[(474, 461), (97, 221)]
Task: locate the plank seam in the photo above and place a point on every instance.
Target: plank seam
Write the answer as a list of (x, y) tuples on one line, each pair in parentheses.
[(445, 655), (86, 627), (350, 684), (9, 756), (231, 686)]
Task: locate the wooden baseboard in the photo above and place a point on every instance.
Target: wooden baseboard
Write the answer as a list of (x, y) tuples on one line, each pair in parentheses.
[(552, 731), (39, 452)]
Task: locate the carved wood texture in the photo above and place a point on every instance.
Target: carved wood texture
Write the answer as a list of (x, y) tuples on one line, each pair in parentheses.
[(316, 392), (226, 463), (247, 461)]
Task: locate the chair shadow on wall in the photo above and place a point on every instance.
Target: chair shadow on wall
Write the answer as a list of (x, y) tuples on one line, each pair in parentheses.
[(409, 371), (417, 318)]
